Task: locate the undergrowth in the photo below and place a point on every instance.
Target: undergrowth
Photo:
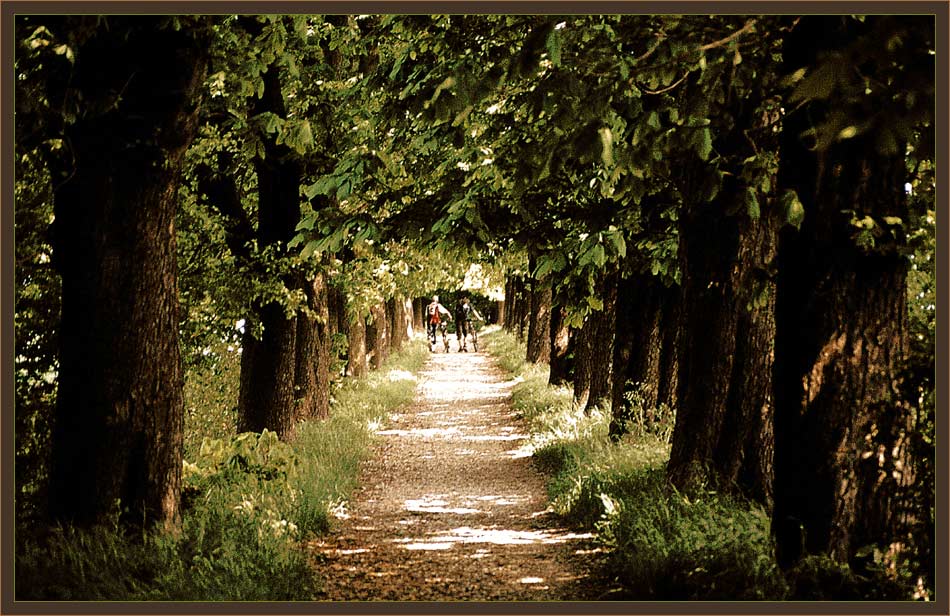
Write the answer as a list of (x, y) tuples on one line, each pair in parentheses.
[(661, 544), (249, 500)]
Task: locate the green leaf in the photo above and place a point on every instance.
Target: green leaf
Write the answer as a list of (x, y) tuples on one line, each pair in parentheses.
[(793, 208), (545, 265), (297, 135), (553, 45), (310, 248), (597, 255), (704, 146), (711, 185), (819, 83), (751, 204), (343, 191), (607, 143)]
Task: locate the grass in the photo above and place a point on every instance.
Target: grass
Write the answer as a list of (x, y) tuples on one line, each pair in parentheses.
[(249, 501), (661, 544)]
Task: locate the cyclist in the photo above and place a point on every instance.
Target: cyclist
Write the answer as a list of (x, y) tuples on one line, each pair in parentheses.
[(464, 313), (434, 313)]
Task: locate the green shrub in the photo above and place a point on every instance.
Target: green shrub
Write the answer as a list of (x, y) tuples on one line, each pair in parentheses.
[(211, 395), (662, 545), (217, 556), (248, 500), (644, 420)]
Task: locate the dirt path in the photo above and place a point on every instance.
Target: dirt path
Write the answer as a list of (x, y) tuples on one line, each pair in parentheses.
[(451, 508)]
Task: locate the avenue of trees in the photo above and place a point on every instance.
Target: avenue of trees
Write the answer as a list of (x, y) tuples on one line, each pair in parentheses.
[(732, 217)]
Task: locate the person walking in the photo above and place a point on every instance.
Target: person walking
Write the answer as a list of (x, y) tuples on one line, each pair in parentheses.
[(464, 313), (434, 313)]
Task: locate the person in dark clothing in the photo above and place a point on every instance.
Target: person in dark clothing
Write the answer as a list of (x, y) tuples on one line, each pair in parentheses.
[(464, 313)]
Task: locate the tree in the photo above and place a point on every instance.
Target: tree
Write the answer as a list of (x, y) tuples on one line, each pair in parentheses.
[(539, 325), (842, 463), (269, 366), (128, 91), (728, 240)]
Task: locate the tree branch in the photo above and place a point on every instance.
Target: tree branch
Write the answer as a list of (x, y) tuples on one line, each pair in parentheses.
[(748, 26)]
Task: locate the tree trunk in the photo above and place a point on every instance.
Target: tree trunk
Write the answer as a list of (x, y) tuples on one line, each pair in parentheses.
[(268, 363), (336, 307), (118, 428), (638, 348), (392, 325), (539, 325), (670, 328), (312, 380), (522, 307), (723, 433), (405, 319), (561, 348), (357, 364), (418, 312), (507, 318), (377, 336), (593, 353), (841, 316)]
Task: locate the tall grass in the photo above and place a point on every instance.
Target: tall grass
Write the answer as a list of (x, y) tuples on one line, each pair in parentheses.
[(661, 544), (330, 451), (249, 500)]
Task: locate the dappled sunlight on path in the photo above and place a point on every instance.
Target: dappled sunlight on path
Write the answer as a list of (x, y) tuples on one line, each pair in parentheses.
[(450, 507)]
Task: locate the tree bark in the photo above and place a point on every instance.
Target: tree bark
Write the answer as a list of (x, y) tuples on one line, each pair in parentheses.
[(312, 378), (561, 348), (643, 353), (539, 324), (118, 419), (521, 308), (841, 312), (268, 363), (507, 317), (357, 364), (418, 312), (723, 431), (593, 353), (378, 336), (336, 307), (392, 324)]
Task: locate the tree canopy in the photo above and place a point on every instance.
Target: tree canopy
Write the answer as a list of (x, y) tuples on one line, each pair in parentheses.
[(715, 213)]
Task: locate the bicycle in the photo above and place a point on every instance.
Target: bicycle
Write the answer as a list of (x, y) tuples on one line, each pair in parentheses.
[(469, 327), (432, 335)]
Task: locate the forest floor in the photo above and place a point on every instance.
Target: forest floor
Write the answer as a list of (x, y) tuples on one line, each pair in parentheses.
[(450, 507)]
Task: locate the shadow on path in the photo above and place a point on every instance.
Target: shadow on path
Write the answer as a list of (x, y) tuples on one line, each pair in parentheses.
[(450, 507)]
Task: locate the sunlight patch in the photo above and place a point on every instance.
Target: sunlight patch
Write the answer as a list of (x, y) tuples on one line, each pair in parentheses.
[(339, 511), (507, 437), (422, 507), (467, 534), (401, 375), (429, 546), (525, 451)]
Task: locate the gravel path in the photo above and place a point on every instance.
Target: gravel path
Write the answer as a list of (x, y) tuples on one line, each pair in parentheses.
[(451, 508)]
